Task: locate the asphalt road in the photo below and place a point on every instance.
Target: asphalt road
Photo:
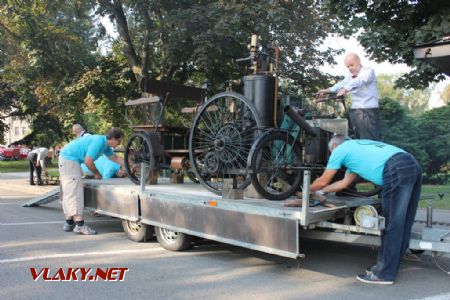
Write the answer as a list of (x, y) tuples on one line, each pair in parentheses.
[(33, 238)]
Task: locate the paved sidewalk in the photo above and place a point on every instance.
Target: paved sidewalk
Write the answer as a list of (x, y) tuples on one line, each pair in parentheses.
[(17, 185)]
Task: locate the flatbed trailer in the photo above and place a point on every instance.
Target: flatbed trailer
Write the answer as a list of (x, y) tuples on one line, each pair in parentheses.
[(177, 212)]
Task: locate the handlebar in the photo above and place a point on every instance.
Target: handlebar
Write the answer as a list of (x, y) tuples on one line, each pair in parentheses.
[(327, 97)]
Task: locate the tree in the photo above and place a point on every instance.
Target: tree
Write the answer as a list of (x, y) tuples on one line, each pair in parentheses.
[(400, 129), (425, 136), (389, 29), (7, 106), (101, 93), (414, 100), (435, 135), (43, 47), (197, 39)]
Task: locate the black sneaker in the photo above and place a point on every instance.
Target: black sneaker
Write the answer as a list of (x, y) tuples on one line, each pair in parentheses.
[(373, 279), (68, 227)]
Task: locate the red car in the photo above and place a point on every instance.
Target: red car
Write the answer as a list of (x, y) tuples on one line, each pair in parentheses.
[(24, 152), (9, 153)]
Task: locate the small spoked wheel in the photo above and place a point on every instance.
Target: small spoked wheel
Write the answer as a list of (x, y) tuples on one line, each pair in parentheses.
[(220, 140), (139, 150), (271, 161), (172, 240)]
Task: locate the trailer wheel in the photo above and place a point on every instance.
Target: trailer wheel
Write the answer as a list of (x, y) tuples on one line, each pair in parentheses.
[(138, 232), (172, 240)]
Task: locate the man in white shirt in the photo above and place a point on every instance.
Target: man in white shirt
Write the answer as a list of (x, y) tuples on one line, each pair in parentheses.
[(361, 83), (36, 158)]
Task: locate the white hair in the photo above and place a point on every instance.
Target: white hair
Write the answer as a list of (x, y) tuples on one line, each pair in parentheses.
[(338, 139), (77, 127)]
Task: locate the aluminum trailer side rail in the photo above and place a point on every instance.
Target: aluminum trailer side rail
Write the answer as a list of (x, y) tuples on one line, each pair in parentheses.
[(257, 224)]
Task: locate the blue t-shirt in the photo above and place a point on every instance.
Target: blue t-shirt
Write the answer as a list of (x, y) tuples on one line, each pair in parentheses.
[(363, 157), (105, 166), (92, 146)]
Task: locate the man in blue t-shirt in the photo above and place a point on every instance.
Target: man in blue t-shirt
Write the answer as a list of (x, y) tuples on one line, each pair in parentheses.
[(107, 168), (83, 150), (400, 176)]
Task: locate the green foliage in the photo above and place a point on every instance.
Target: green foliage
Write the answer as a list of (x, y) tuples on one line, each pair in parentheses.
[(434, 131), (21, 165), (415, 101), (52, 71), (400, 129), (7, 105), (389, 29), (426, 136), (191, 40), (43, 47), (99, 95)]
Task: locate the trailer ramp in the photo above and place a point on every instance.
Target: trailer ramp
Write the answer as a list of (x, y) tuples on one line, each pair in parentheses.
[(51, 196)]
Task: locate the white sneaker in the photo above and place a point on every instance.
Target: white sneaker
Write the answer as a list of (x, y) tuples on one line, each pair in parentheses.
[(84, 230)]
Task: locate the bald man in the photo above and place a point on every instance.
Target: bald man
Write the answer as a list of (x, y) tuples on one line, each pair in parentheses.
[(361, 84)]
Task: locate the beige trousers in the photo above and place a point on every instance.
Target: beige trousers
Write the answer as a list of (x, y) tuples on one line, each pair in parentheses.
[(70, 174)]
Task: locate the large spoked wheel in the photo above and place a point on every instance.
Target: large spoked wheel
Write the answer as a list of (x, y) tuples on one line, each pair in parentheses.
[(173, 240), (220, 140), (139, 150), (192, 177), (271, 160)]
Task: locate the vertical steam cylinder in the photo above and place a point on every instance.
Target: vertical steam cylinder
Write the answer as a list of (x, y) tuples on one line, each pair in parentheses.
[(260, 90)]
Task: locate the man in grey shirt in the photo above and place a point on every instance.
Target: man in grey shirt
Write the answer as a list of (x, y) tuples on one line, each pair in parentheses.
[(361, 83), (36, 161)]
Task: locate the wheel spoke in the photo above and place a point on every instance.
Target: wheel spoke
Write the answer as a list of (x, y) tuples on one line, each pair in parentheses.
[(270, 165), (138, 150), (224, 128)]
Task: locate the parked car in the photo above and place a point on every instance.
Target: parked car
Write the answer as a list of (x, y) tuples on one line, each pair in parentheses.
[(24, 152), (9, 153)]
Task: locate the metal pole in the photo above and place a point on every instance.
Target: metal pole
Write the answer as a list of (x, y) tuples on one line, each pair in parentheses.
[(429, 216), (143, 171), (305, 198)]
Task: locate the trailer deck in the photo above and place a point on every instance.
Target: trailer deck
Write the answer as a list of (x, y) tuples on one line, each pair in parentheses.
[(188, 208)]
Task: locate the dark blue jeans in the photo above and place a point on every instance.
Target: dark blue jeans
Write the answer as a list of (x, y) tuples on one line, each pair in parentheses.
[(402, 181)]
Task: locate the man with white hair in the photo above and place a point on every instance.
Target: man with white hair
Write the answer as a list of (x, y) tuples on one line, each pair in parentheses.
[(400, 176), (78, 130), (361, 83)]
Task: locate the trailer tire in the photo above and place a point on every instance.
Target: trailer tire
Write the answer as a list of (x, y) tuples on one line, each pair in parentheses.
[(138, 232), (172, 240)]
